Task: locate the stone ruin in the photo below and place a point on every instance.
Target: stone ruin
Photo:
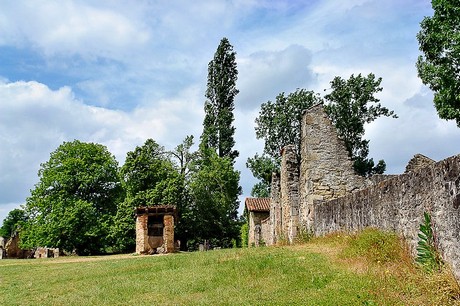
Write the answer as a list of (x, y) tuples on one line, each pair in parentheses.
[(11, 249), (259, 215), (155, 229), (326, 195)]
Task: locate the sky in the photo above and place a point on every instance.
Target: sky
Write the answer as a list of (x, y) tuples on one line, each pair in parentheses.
[(120, 72)]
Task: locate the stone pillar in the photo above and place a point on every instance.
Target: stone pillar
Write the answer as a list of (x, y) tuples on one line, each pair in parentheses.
[(275, 209), (168, 234), (141, 234), (289, 184)]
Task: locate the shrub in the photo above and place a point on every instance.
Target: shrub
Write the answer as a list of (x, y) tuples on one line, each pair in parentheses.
[(427, 253)]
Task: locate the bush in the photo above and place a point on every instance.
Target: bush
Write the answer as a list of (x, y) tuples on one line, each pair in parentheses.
[(244, 235)]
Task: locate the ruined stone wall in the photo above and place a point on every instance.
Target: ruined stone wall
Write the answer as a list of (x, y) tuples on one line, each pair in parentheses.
[(275, 210), (399, 203), (168, 234), (256, 229), (326, 171), (141, 234), (265, 229)]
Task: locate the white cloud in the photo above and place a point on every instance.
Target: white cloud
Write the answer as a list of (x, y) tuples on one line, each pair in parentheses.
[(417, 130), (73, 28), (35, 120), (263, 75)]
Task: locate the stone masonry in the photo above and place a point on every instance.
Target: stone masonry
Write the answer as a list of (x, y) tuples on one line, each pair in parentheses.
[(327, 196), (155, 229), (326, 170), (259, 226)]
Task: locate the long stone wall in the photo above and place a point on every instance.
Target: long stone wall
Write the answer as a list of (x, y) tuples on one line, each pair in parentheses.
[(398, 204), (326, 195)]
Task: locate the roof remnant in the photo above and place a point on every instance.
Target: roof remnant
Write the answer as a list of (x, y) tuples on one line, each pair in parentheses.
[(257, 204)]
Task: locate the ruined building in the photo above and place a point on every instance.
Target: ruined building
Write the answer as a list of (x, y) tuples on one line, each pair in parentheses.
[(155, 229), (326, 195), (258, 210)]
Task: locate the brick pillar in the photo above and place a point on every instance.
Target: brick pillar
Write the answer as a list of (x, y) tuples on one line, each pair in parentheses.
[(168, 233), (141, 234)]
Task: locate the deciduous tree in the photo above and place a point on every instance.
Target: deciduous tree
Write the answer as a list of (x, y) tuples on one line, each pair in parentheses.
[(149, 178), (352, 104), (262, 168), (439, 66), (13, 221), (279, 123), (73, 204), (214, 188)]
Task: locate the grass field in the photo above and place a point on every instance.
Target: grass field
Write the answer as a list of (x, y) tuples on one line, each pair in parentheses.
[(369, 269)]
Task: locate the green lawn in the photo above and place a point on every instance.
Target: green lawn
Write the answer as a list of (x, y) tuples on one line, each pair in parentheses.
[(325, 271)]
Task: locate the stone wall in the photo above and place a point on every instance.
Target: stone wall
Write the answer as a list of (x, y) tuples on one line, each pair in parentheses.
[(256, 228), (326, 170), (141, 234), (398, 204), (168, 234), (330, 197)]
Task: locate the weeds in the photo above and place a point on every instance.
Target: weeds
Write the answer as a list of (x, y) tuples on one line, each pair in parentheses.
[(427, 253)]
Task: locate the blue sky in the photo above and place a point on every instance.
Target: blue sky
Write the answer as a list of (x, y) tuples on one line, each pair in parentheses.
[(119, 72)]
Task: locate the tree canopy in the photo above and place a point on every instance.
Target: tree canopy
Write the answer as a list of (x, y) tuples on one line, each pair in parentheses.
[(439, 66), (262, 168), (13, 221), (214, 188), (72, 205), (351, 104), (149, 178), (279, 123), (218, 129)]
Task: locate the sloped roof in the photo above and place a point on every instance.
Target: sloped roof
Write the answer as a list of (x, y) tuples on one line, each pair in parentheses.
[(257, 204)]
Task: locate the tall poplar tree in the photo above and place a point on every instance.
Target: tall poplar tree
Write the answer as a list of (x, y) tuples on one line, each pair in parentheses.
[(218, 129)]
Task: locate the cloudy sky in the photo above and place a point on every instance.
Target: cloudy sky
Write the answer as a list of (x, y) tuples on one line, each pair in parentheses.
[(119, 72)]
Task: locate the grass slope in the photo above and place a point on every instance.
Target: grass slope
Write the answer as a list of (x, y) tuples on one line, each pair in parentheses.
[(369, 269)]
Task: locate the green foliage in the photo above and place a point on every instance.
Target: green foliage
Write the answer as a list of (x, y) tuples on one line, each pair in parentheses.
[(438, 67), (75, 200), (279, 122), (262, 168), (149, 178), (349, 109), (13, 221), (218, 129), (427, 253), (244, 232), (214, 189)]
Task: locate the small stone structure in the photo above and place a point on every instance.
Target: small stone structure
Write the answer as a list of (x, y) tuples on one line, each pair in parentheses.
[(45, 252), (155, 229), (259, 230), (326, 195)]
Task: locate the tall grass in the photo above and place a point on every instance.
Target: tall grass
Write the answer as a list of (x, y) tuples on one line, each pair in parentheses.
[(337, 270)]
